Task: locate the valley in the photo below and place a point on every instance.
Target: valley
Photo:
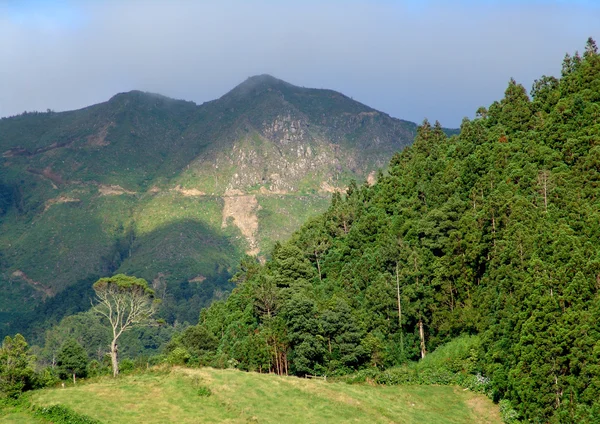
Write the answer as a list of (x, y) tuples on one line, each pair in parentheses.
[(171, 191)]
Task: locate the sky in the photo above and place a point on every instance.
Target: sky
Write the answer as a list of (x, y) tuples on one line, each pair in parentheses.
[(439, 60)]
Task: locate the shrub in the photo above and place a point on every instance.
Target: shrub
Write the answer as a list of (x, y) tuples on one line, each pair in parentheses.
[(126, 366), (96, 369), (459, 355), (46, 378), (178, 356), (455, 362), (59, 414), (203, 391), (508, 414)]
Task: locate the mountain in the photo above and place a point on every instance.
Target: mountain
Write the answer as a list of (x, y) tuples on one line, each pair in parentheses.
[(171, 191)]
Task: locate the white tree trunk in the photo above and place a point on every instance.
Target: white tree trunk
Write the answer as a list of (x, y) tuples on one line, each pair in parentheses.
[(113, 357), (422, 335)]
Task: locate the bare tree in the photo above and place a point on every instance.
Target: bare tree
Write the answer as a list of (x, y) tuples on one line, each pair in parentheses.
[(126, 302)]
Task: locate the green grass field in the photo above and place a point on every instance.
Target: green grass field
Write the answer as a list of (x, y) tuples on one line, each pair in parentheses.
[(240, 397)]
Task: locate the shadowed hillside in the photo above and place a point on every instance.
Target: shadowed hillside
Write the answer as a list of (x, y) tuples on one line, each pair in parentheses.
[(170, 190)]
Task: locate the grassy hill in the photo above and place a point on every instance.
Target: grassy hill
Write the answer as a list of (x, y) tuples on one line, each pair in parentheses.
[(172, 191), (238, 397)]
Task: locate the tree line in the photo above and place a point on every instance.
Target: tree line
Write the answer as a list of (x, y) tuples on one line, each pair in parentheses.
[(493, 233)]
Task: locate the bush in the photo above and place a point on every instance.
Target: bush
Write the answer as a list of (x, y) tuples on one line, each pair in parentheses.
[(59, 414), (126, 366), (46, 378), (509, 415), (459, 355), (178, 356), (194, 347), (96, 369), (455, 363), (203, 391)]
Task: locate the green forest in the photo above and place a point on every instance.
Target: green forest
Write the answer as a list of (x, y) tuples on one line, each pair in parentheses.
[(473, 260), (493, 233)]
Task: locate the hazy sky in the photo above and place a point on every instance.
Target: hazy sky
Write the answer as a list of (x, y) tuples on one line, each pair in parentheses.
[(411, 59)]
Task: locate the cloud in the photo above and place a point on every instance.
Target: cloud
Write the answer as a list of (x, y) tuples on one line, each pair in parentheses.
[(413, 60)]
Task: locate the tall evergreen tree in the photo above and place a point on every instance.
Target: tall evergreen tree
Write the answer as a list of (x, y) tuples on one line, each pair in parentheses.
[(72, 360)]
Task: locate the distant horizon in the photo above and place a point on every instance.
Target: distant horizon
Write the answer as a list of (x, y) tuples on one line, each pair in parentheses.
[(151, 93), (412, 60)]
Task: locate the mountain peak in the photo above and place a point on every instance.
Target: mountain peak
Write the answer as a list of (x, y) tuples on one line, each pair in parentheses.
[(263, 79), (258, 84), (138, 95)]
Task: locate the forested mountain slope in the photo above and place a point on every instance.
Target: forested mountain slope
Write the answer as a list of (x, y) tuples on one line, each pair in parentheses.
[(494, 232), (171, 191)]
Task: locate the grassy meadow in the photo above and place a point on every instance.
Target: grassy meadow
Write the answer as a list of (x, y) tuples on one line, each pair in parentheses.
[(239, 397)]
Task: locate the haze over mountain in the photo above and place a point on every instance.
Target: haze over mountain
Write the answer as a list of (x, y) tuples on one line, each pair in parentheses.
[(172, 191), (412, 59)]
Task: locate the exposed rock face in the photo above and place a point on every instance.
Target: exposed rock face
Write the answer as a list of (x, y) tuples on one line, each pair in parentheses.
[(98, 139), (242, 209), (59, 199), (47, 291), (189, 192), (287, 142), (112, 190)]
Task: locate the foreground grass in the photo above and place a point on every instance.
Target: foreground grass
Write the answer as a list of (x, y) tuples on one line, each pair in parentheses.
[(239, 397)]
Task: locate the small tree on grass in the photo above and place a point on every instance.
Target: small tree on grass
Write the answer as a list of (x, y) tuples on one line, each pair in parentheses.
[(16, 366), (125, 302), (72, 360)]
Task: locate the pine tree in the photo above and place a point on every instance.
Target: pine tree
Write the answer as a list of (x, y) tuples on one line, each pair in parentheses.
[(72, 360)]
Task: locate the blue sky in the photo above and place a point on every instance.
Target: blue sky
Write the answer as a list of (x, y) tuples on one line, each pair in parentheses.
[(434, 59)]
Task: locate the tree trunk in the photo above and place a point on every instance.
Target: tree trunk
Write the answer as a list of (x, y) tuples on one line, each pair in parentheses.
[(543, 179), (494, 230), (399, 311), (269, 356), (422, 336), (73, 379), (113, 357), (318, 267), (277, 360)]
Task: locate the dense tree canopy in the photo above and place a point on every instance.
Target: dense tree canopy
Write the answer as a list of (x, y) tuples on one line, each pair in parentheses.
[(494, 232)]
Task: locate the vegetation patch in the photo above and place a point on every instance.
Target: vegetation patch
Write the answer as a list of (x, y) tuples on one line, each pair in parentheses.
[(60, 414), (242, 397)]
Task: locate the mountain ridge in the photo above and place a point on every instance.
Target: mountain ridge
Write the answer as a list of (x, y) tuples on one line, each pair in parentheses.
[(172, 191)]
